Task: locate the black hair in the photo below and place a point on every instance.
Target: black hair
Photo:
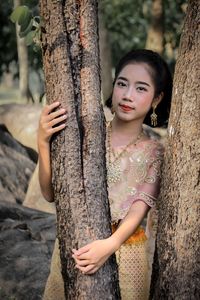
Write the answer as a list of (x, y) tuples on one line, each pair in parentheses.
[(161, 77)]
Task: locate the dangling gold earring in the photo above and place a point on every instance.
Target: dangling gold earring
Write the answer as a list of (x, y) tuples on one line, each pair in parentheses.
[(154, 120)]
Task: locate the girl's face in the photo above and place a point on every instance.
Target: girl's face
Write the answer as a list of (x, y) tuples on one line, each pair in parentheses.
[(133, 92)]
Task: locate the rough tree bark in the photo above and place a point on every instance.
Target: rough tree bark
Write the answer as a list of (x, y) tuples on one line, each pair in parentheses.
[(71, 64), (176, 271), (155, 35)]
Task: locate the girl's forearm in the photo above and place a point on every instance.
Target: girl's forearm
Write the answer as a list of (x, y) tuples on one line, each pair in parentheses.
[(45, 171), (129, 224), (51, 122)]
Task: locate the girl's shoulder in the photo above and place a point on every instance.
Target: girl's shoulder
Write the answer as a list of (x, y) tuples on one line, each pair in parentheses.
[(152, 143), (149, 149)]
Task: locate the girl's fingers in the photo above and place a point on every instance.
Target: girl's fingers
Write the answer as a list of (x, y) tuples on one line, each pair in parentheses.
[(50, 107), (83, 250), (56, 114), (88, 269), (57, 120), (57, 128), (82, 256), (82, 263)]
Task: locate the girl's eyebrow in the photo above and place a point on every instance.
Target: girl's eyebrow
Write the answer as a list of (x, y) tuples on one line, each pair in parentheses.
[(138, 82), (143, 82), (122, 78)]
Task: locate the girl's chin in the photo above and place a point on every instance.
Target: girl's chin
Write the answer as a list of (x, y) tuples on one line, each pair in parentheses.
[(128, 117), (124, 117)]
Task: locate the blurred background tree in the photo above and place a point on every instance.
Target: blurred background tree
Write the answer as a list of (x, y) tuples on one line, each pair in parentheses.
[(10, 53), (8, 45), (124, 25), (128, 24)]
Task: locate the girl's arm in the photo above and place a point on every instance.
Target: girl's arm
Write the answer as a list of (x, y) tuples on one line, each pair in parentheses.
[(45, 171), (130, 223), (48, 119), (92, 256)]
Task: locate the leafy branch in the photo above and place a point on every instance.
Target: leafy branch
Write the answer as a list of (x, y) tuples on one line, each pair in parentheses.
[(30, 26)]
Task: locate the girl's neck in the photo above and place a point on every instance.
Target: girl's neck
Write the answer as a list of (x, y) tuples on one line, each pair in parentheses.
[(123, 132), (125, 127)]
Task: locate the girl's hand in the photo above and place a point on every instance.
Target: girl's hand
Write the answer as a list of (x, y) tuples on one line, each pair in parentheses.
[(49, 122), (92, 256)]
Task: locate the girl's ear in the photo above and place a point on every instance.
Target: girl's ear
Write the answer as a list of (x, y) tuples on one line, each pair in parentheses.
[(157, 100)]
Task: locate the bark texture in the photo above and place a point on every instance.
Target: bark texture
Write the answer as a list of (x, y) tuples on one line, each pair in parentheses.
[(71, 63), (155, 36), (176, 273)]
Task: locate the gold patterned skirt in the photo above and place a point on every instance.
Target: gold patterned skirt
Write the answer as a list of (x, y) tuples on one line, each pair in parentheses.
[(133, 270), (133, 267), (54, 289)]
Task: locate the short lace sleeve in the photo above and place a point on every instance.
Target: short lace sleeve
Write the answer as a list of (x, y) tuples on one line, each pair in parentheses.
[(148, 186)]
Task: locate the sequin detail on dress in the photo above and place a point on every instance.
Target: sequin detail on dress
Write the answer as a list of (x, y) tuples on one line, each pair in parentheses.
[(114, 173), (134, 177)]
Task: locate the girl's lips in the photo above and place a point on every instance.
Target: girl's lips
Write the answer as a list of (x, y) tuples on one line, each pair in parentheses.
[(125, 107)]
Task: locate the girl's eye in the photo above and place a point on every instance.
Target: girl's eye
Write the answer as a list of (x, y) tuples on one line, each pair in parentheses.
[(121, 83), (141, 89)]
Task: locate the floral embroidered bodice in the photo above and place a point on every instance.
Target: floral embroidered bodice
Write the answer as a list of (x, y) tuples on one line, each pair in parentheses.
[(134, 176)]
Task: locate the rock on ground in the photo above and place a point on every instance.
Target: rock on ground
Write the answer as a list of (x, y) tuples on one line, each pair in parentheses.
[(26, 243), (16, 168), (21, 120)]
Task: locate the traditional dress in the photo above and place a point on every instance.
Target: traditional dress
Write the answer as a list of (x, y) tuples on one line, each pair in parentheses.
[(132, 175)]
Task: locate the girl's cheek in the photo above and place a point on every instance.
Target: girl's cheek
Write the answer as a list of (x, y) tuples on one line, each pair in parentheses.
[(117, 94), (147, 102)]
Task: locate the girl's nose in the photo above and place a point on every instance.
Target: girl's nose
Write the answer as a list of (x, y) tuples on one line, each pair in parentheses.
[(129, 94)]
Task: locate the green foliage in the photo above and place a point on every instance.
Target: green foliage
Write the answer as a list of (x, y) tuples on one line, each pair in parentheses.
[(21, 14), (29, 37), (29, 25), (127, 22), (174, 16), (8, 46)]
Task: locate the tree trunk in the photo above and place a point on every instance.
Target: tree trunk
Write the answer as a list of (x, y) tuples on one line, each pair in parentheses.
[(71, 64), (176, 271), (155, 36), (23, 62)]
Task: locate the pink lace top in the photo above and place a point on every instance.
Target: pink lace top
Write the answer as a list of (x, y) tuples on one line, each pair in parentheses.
[(134, 176)]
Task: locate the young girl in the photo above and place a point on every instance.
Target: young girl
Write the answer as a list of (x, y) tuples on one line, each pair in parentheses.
[(141, 94)]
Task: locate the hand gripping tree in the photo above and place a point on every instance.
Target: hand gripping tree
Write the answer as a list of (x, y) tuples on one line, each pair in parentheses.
[(71, 65)]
